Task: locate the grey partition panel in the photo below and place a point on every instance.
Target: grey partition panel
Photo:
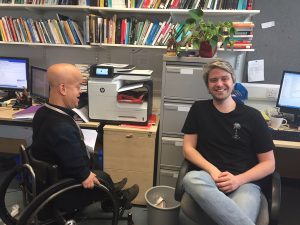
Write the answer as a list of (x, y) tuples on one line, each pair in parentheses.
[(171, 152), (174, 117), (277, 45), (185, 83)]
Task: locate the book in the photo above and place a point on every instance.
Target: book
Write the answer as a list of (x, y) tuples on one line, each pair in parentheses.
[(249, 5), (26, 114)]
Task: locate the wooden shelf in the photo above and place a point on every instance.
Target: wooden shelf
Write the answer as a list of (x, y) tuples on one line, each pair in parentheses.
[(226, 12), (108, 45), (44, 44), (44, 7), (128, 46)]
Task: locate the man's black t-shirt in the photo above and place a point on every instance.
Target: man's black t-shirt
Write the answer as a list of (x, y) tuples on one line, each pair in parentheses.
[(230, 141)]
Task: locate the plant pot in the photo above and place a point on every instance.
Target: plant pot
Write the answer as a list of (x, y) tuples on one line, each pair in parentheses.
[(206, 50)]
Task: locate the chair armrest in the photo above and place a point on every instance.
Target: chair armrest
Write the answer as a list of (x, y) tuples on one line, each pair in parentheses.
[(185, 166), (276, 198)]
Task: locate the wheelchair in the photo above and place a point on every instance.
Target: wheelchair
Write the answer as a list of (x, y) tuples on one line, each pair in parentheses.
[(46, 199)]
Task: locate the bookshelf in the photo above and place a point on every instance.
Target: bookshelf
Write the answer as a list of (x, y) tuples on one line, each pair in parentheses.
[(207, 12), (244, 15), (144, 56)]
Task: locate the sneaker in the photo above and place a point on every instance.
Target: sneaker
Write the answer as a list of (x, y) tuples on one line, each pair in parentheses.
[(119, 185), (128, 195)]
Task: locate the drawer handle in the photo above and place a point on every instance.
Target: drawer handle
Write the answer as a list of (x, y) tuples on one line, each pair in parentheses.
[(129, 135)]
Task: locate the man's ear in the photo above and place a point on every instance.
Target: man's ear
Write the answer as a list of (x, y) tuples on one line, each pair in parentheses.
[(62, 89)]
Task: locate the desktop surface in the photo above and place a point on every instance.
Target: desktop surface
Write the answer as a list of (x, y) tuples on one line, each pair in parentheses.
[(285, 135)]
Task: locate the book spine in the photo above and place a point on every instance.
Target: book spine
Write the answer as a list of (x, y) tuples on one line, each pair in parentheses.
[(250, 5), (12, 29), (77, 41)]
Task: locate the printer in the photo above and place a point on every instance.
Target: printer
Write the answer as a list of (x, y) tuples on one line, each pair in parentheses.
[(118, 98)]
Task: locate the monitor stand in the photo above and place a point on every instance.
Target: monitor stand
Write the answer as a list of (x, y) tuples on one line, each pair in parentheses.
[(297, 121)]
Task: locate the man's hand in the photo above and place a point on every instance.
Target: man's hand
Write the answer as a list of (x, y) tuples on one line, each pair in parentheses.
[(227, 182), (90, 181), (215, 173)]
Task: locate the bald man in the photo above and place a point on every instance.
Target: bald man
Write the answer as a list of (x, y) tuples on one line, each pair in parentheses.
[(57, 138)]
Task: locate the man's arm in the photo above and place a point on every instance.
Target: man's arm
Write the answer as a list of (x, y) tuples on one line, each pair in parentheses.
[(228, 182), (90, 181), (191, 154)]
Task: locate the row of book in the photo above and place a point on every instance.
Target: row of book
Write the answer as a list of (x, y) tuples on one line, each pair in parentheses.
[(129, 30), (97, 29), (243, 35), (50, 31), (48, 2), (227, 4), (151, 4)]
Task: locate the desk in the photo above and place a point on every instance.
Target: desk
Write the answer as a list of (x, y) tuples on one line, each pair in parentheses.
[(6, 118), (16, 132), (287, 155)]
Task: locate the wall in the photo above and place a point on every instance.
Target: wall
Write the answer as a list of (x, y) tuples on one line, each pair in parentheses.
[(278, 46)]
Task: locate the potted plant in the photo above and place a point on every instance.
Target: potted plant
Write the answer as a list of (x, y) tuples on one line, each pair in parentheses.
[(173, 47), (205, 36)]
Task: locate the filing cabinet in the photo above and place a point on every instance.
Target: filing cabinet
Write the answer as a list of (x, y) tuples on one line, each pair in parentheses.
[(182, 85), (174, 111), (130, 152), (171, 152)]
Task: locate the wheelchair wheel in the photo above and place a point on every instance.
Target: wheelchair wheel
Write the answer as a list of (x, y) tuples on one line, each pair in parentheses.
[(67, 202), (12, 189)]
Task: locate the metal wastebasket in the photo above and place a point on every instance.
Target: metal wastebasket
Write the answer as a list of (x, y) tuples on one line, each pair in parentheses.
[(162, 216)]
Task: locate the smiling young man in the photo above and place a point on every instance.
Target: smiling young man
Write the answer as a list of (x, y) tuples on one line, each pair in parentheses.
[(57, 138), (230, 144)]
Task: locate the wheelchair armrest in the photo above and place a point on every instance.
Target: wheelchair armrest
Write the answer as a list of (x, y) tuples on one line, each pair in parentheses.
[(276, 198), (47, 173), (185, 167)]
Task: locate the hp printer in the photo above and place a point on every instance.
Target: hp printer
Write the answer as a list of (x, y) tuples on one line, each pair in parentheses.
[(119, 98)]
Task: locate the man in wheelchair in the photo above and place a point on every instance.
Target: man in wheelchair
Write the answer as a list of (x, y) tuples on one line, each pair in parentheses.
[(57, 139)]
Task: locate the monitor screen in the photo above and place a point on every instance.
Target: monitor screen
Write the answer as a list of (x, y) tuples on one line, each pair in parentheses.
[(289, 93), (13, 73), (39, 83)]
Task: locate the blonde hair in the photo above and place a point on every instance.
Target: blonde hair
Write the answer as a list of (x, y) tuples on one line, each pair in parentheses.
[(220, 64)]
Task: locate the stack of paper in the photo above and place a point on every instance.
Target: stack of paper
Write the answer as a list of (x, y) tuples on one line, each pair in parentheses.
[(26, 114)]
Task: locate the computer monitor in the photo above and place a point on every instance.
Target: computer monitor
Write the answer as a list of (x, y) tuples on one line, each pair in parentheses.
[(289, 95), (13, 74), (39, 84)]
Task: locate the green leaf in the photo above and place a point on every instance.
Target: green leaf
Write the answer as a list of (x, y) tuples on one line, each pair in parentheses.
[(214, 41), (190, 21), (196, 14)]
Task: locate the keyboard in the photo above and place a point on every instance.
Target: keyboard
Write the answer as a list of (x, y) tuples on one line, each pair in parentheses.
[(285, 135)]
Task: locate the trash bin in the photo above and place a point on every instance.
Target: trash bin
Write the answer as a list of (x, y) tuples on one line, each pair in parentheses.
[(167, 215)]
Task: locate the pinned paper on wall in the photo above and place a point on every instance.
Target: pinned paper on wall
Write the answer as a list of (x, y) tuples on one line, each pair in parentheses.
[(268, 24), (256, 70)]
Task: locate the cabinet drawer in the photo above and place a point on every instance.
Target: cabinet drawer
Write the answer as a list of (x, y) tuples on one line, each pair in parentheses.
[(129, 150), (168, 177), (174, 117), (171, 152), (185, 83)]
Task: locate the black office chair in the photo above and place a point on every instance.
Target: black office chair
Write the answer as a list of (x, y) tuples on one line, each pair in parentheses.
[(47, 198), (192, 213)]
